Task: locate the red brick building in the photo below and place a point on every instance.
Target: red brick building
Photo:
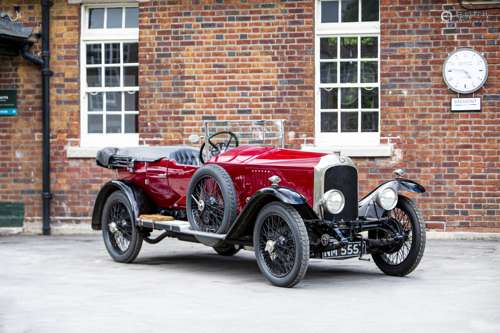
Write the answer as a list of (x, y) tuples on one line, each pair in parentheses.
[(353, 76)]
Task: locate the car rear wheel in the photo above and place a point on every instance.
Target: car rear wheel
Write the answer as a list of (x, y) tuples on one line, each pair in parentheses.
[(404, 258), (281, 244), (121, 237)]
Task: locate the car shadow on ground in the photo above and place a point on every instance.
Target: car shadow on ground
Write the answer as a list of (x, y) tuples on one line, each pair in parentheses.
[(245, 266)]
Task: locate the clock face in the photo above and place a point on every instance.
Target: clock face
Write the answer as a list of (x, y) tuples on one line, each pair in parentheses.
[(465, 71)]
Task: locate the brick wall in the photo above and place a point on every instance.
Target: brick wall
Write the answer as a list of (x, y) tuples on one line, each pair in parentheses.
[(20, 142), (454, 154), (252, 60), (206, 60), (74, 182)]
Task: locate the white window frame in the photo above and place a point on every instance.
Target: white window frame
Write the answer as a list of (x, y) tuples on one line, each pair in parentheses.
[(347, 29), (112, 35)]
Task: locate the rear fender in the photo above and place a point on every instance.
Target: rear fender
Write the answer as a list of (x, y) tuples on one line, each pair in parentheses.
[(243, 225), (138, 200)]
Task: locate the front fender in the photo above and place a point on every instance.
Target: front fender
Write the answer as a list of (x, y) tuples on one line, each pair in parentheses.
[(410, 185), (106, 190), (243, 224), (367, 206)]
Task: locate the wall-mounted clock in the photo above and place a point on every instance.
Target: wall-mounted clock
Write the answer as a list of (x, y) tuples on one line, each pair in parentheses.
[(465, 71)]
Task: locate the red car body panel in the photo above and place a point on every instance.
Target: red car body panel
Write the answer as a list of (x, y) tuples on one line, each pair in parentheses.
[(250, 167)]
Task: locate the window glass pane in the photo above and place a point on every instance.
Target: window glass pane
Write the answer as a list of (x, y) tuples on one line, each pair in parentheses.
[(329, 11), (114, 19), (131, 76), (328, 72), (93, 54), (348, 47), (369, 98), (369, 121), (369, 47), (329, 121), (112, 53), (131, 17), (131, 123), (113, 123), (329, 98), (94, 123), (130, 52), (369, 10), (369, 71), (349, 98), (96, 18), (348, 72), (328, 48), (94, 102), (113, 101), (349, 121), (112, 76), (350, 11), (93, 77), (131, 101)]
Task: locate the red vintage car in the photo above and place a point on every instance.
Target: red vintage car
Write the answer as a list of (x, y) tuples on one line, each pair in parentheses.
[(287, 205)]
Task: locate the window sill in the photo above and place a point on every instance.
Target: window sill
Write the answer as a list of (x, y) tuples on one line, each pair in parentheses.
[(82, 152), (380, 150)]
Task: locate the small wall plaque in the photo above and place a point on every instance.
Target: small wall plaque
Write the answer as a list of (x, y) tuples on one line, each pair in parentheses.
[(8, 102), (465, 104)]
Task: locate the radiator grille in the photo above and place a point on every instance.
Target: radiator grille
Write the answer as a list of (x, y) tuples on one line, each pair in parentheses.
[(345, 179)]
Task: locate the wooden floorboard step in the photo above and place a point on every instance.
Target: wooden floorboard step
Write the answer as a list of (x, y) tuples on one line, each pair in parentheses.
[(156, 218)]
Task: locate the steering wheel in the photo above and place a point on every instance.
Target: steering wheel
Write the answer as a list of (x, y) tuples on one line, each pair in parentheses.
[(217, 145)]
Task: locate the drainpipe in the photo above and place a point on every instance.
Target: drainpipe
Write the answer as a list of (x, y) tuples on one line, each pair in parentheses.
[(46, 74), (44, 62)]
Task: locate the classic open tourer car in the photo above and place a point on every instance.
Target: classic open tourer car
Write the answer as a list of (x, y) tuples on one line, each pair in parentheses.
[(286, 205)]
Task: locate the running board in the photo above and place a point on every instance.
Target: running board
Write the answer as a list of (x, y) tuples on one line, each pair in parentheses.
[(177, 227)]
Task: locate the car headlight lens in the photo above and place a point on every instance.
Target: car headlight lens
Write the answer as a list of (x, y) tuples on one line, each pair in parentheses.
[(387, 198), (334, 201)]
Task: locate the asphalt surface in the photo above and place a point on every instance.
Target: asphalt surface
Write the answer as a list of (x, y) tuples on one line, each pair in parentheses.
[(70, 284)]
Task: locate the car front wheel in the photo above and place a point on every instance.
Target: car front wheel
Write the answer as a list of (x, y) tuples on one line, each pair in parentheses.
[(281, 244), (403, 259)]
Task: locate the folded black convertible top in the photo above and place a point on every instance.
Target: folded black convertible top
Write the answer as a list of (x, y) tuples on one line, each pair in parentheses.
[(112, 157)]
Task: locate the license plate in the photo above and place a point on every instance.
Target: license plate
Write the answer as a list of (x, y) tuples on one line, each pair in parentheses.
[(352, 249)]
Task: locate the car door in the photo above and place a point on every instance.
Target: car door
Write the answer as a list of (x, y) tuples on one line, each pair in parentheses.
[(157, 184)]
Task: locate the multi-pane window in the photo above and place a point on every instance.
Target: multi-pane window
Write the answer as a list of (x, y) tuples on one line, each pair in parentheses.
[(347, 72), (110, 76), (335, 11)]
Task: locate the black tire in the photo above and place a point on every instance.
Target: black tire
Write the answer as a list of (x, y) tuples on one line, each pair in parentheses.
[(417, 247), (128, 230), (291, 234), (226, 191), (226, 250)]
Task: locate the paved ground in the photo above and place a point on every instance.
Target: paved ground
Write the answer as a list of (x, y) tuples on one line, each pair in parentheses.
[(69, 284)]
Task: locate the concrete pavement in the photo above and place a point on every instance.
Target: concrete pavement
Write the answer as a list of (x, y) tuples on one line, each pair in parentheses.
[(70, 284)]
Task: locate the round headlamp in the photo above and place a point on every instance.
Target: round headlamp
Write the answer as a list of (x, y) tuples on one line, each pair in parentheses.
[(334, 201), (387, 198)]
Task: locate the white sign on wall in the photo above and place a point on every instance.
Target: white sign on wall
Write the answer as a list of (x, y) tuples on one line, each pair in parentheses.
[(466, 104)]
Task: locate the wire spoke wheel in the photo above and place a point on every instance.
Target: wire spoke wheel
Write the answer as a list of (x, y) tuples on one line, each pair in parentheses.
[(277, 245), (400, 253), (211, 202), (281, 244), (208, 204), (406, 241), (121, 236), (119, 227)]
